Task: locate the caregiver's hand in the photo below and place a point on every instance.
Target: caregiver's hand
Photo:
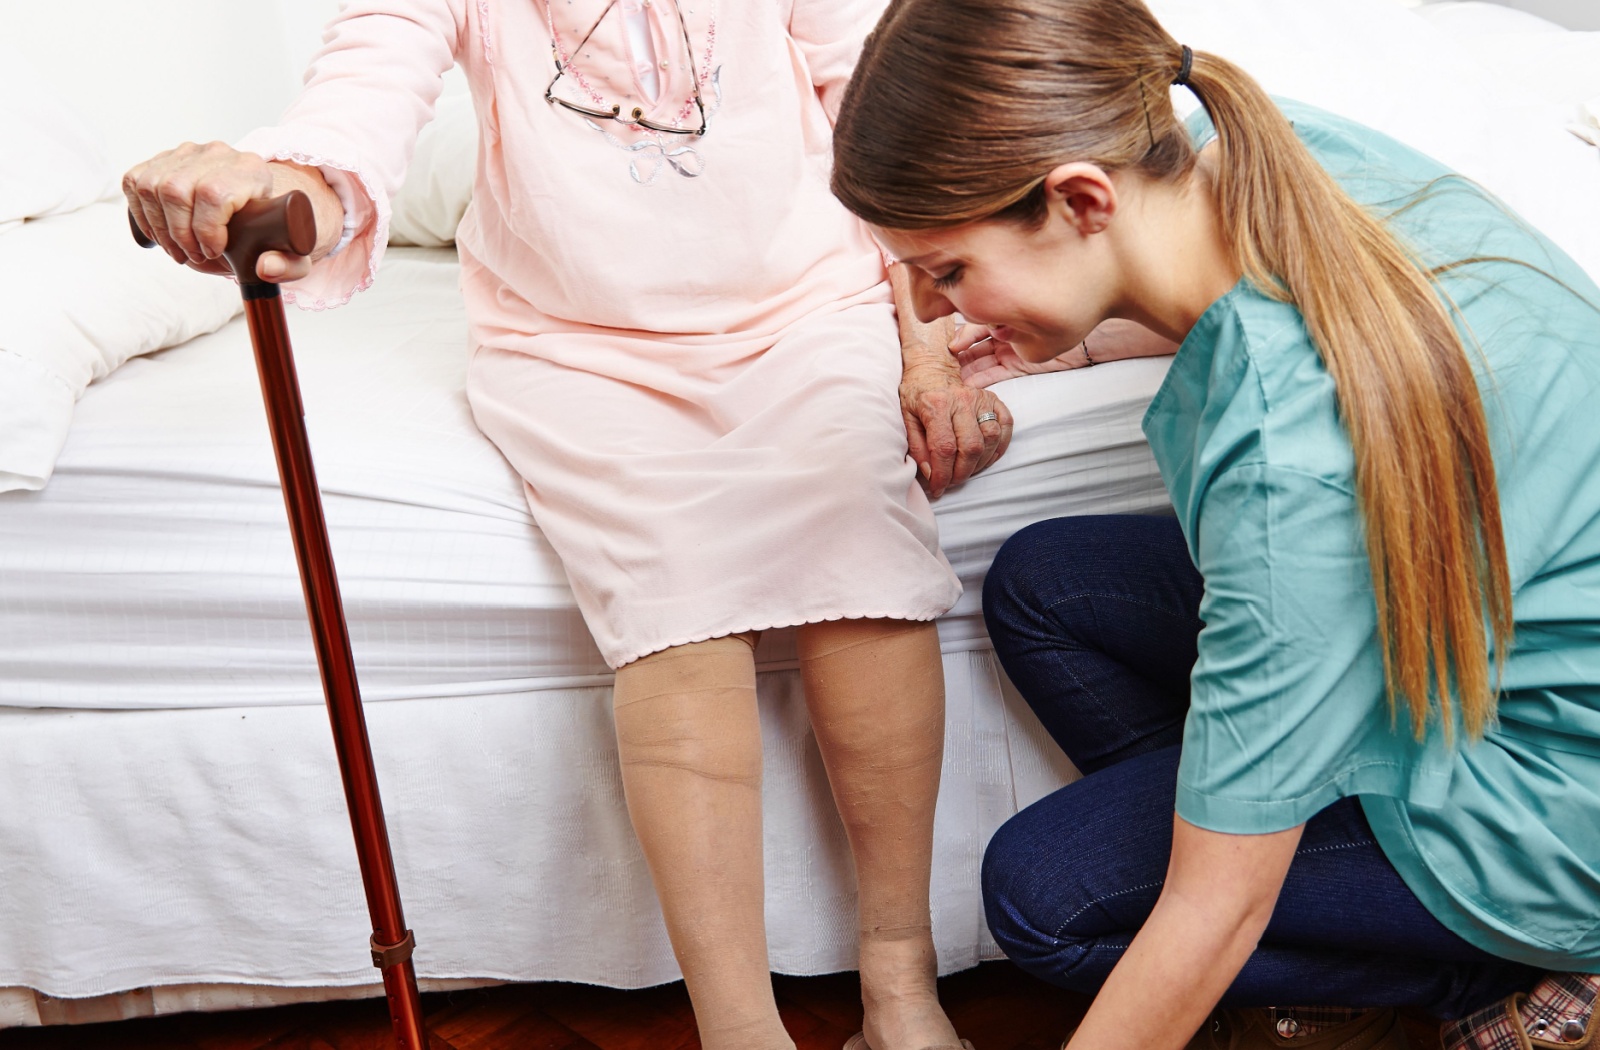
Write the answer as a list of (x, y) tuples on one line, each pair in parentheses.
[(183, 198), (946, 441), (985, 360)]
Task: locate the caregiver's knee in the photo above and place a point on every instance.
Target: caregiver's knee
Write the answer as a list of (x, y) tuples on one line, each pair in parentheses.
[(1031, 576), (1021, 887)]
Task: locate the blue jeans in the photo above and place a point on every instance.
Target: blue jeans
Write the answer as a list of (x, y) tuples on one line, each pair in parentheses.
[(1095, 619)]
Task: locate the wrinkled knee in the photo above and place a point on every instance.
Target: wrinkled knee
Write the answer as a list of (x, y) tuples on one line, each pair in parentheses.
[(691, 709)]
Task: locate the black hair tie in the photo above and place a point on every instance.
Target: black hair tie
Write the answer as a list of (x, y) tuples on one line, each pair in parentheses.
[(1182, 79)]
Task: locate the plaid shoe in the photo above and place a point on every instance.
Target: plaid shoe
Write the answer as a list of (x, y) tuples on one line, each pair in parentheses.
[(1559, 1014)]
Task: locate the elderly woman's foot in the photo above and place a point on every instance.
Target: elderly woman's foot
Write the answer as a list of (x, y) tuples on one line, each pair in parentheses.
[(899, 995), (859, 1042), (756, 1035)]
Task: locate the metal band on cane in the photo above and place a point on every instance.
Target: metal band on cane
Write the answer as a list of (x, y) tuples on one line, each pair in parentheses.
[(387, 955)]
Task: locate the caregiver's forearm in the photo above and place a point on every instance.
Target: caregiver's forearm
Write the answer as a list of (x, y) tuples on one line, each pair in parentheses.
[(1217, 900), (1114, 339), (1169, 979)]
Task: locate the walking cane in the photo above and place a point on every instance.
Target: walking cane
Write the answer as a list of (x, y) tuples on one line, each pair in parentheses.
[(287, 224)]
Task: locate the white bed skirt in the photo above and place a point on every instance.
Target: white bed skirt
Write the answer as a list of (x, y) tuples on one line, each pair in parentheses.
[(215, 844)]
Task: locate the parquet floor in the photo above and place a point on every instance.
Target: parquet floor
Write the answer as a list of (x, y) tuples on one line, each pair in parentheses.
[(996, 1006)]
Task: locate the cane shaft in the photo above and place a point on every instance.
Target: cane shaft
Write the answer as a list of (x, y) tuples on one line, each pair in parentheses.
[(285, 416), (288, 224)]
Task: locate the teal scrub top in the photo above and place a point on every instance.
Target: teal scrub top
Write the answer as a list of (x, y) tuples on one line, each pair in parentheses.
[(1499, 837)]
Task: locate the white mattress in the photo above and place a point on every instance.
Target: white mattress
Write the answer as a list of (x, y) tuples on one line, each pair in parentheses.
[(173, 815), (155, 570)]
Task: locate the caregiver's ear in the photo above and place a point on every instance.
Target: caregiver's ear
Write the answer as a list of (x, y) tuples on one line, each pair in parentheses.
[(1083, 194)]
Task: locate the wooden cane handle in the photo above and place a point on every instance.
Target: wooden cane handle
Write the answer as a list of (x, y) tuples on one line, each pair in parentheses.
[(140, 238), (282, 224)]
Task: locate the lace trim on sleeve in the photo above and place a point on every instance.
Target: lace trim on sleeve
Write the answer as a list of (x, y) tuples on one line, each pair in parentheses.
[(380, 222)]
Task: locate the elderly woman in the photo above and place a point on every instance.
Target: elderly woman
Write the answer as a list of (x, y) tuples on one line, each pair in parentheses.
[(688, 351)]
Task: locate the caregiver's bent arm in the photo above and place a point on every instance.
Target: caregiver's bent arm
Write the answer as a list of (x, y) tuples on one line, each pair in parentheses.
[(1218, 897)]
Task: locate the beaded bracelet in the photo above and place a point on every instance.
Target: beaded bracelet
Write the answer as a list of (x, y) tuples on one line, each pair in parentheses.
[(1087, 360)]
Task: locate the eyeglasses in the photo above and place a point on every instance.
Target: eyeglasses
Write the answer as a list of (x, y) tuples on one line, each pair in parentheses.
[(615, 112)]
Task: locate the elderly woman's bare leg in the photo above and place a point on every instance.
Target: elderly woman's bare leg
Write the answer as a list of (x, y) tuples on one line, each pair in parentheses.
[(875, 689), (690, 744)]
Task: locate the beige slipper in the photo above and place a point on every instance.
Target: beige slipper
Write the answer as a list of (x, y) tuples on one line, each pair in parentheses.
[(859, 1042)]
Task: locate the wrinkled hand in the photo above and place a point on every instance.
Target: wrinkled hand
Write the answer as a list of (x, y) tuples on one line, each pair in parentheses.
[(986, 360), (946, 440), (183, 198)]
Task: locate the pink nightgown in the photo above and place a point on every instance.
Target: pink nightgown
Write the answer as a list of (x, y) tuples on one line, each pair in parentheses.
[(684, 345)]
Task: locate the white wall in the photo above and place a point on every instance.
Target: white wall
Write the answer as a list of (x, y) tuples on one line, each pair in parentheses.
[(150, 74), (1574, 14), (202, 71), (214, 69)]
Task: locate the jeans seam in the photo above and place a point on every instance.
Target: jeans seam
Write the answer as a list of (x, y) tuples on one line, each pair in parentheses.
[(1337, 845), (1151, 885), (1116, 598), (1099, 900), (1108, 709)]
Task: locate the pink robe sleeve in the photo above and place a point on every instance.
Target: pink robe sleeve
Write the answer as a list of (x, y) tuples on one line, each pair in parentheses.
[(368, 92), (830, 34)]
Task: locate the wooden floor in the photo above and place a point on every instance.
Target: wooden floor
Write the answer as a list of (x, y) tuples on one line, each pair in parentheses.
[(996, 1006)]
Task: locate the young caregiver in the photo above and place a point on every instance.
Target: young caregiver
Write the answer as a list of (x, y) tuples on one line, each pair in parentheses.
[(1340, 718)]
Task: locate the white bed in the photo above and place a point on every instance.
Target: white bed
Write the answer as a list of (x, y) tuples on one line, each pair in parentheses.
[(165, 751), (173, 835)]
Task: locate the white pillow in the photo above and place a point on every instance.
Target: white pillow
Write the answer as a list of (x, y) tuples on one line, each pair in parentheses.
[(1370, 60), (438, 184), (77, 299), (51, 161), (1474, 17), (1386, 66), (1528, 53)]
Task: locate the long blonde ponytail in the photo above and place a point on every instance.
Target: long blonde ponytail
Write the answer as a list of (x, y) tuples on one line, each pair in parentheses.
[(958, 107), (1407, 396)]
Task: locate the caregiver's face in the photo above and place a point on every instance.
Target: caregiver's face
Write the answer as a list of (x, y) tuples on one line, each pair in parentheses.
[(1041, 290)]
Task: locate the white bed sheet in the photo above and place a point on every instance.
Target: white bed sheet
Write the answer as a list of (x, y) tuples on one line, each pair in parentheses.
[(155, 570)]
